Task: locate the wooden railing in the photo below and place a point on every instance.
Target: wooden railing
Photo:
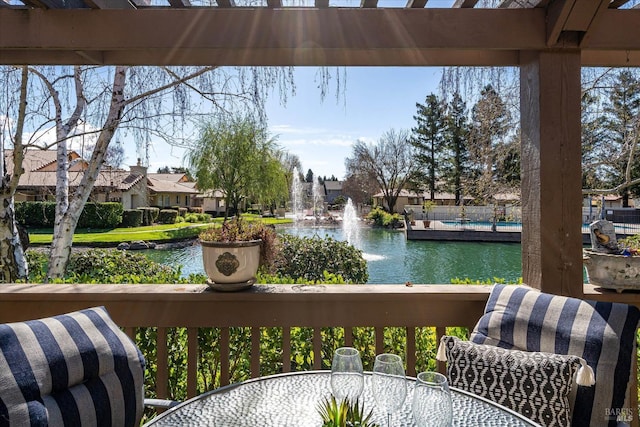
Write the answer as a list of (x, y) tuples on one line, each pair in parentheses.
[(283, 306)]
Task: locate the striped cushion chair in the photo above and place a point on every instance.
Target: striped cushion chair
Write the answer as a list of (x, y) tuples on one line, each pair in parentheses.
[(75, 369), (602, 333)]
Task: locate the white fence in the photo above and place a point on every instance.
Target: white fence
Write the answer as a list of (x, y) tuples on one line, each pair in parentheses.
[(466, 213)]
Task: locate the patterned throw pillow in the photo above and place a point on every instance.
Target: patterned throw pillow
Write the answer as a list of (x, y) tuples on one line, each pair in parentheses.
[(602, 333), (534, 384), (75, 369)]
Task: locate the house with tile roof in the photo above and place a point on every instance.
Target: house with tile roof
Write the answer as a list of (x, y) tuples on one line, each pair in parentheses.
[(133, 188), (171, 189), (38, 182)]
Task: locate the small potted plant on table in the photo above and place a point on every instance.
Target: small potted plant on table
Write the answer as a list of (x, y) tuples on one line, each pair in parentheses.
[(233, 252)]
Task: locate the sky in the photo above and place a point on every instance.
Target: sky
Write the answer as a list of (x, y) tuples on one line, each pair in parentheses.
[(322, 132)]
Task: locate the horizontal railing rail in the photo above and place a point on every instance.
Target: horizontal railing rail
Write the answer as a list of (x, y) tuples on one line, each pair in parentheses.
[(192, 307)]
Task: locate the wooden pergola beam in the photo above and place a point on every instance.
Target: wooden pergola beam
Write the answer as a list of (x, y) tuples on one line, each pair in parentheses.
[(368, 3), (464, 4), (45, 4), (110, 4), (302, 36), (617, 3), (180, 3), (416, 3)]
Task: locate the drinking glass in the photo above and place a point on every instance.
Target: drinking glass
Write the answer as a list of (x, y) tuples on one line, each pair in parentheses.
[(347, 379), (432, 400), (389, 384)]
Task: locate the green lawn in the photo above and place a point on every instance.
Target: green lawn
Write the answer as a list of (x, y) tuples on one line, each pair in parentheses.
[(154, 233)]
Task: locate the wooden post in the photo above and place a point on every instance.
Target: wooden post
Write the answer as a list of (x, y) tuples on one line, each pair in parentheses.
[(551, 171)]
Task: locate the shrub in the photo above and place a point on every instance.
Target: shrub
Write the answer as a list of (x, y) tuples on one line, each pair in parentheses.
[(132, 218), (167, 216), (36, 214), (181, 211), (310, 257), (38, 263), (94, 215), (100, 215), (191, 217), (108, 266), (340, 200), (197, 217), (149, 215), (114, 266), (631, 242), (380, 218)]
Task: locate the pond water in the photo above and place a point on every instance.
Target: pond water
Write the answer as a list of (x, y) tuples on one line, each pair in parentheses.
[(392, 259)]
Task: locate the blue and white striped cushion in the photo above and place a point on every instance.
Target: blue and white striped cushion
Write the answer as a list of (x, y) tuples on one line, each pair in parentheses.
[(602, 333), (75, 369)]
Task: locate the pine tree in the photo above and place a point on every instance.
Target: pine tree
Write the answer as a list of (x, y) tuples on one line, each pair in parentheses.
[(490, 124), (428, 140), (456, 134)]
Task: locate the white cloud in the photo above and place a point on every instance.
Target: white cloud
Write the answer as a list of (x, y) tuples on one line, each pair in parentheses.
[(322, 142), (86, 137)]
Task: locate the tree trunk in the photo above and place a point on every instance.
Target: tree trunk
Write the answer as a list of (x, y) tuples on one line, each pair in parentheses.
[(66, 222), (13, 263)]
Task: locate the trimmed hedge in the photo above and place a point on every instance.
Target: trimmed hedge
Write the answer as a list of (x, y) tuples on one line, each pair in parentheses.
[(181, 211), (149, 215), (101, 215), (167, 216), (132, 218), (36, 214), (94, 215)]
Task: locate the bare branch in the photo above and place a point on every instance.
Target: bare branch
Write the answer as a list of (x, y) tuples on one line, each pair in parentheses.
[(175, 83), (614, 190)]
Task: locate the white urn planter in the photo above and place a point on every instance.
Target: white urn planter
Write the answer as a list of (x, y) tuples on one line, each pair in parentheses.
[(231, 266), (610, 271)]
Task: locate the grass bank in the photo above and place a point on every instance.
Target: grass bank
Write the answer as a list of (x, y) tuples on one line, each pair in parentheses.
[(160, 233)]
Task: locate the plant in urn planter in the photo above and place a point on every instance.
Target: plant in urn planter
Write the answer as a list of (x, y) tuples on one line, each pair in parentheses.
[(612, 264), (233, 252)]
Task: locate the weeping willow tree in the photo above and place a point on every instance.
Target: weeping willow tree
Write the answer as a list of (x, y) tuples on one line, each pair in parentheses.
[(234, 154)]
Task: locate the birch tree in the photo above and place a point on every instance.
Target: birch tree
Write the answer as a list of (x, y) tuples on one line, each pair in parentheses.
[(13, 264)]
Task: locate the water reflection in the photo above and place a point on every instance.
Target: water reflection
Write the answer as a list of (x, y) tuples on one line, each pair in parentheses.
[(393, 259)]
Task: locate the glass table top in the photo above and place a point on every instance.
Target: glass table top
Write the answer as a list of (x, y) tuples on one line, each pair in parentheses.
[(292, 399)]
